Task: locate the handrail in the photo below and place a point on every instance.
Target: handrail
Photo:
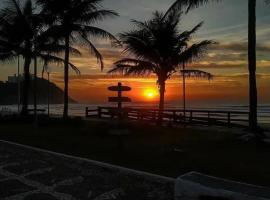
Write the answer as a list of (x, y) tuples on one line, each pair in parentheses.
[(177, 110), (173, 115)]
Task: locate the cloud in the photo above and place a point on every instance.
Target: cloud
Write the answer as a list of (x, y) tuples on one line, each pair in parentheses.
[(239, 47), (244, 75)]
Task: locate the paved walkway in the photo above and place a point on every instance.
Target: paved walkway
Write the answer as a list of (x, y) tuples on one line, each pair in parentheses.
[(32, 174)]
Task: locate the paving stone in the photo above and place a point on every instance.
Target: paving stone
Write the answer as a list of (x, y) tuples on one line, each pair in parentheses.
[(101, 184), (7, 159), (26, 167), (2, 176), (39, 196), (89, 187), (56, 175), (13, 187), (71, 177)]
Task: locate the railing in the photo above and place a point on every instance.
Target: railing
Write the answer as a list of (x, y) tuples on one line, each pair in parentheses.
[(41, 111), (176, 116), (91, 112)]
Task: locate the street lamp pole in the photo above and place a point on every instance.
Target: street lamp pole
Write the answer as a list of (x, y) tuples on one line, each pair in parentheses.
[(184, 90)]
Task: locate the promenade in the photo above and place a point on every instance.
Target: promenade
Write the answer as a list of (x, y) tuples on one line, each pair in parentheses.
[(32, 174)]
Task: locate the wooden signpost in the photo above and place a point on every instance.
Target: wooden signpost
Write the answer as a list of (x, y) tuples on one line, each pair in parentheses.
[(119, 99), (120, 132)]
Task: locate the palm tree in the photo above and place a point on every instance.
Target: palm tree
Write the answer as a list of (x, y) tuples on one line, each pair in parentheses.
[(72, 22), (158, 47), (190, 4), (22, 33)]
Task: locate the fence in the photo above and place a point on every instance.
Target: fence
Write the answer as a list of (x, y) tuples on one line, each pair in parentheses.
[(177, 116)]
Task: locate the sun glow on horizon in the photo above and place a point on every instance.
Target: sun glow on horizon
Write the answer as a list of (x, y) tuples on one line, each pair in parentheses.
[(150, 93)]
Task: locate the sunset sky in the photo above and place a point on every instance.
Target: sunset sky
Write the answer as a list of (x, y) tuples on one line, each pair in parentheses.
[(224, 22)]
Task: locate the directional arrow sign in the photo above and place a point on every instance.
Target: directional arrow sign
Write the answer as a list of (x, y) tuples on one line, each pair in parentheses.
[(119, 88), (119, 99)]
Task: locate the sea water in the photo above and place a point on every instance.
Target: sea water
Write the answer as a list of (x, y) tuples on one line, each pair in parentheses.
[(79, 109)]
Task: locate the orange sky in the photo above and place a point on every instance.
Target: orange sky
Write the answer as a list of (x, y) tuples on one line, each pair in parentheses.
[(222, 89), (227, 60)]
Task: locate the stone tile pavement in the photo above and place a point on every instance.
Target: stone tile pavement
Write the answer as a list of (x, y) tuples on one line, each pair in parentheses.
[(32, 174)]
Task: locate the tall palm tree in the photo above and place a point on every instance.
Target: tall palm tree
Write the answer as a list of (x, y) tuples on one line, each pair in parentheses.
[(158, 47), (22, 33), (72, 21), (190, 4)]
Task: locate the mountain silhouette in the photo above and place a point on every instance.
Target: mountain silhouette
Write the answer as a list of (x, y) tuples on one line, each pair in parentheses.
[(9, 92)]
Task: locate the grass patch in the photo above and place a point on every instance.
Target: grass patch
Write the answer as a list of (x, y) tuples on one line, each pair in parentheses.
[(160, 150)]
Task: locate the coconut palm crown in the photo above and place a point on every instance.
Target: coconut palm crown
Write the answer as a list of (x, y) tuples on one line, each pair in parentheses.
[(72, 23), (157, 46), (22, 33)]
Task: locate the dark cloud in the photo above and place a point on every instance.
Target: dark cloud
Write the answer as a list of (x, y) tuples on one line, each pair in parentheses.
[(239, 47), (218, 65)]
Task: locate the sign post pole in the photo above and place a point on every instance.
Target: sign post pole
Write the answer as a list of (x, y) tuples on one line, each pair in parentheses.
[(119, 132), (119, 95), (119, 99)]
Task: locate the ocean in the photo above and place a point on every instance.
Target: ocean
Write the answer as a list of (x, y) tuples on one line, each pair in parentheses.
[(79, 109)]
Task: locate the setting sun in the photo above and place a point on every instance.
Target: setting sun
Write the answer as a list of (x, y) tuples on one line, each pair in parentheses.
[(150, 93)]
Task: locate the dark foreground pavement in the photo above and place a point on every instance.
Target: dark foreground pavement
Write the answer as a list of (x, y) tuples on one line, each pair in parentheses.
[(32, 174)]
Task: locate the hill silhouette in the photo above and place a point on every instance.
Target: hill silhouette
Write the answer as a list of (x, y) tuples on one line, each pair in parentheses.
[(9, 91)]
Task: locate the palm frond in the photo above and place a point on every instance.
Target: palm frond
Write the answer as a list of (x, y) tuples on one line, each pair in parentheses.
[(99, 33), (189, 73), (135, 67), (180, 5), (47, 58), (188, 34), (7, 56), (194, 52), (54, 48), (98, 15), (94, 51), (16, 5), (138, 43)]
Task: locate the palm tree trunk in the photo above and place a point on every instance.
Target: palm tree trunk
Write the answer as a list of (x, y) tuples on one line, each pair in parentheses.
[(26, 84), (66, 77), (161, 101), (252, 66)]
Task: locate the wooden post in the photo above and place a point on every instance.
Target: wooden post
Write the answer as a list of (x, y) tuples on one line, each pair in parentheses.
[(174, 117), (154, 116), (99, 112), (120, 102), (229, 119), (209, 118), (119, 96), (191, 117), (86, 112)]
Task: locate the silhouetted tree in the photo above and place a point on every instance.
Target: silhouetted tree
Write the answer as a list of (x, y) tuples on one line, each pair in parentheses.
[(158, 47), (22, 33), (190, 4), (71, 21)]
